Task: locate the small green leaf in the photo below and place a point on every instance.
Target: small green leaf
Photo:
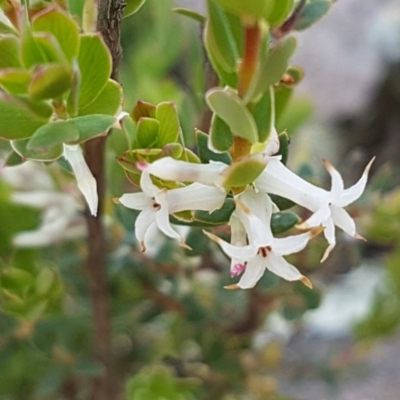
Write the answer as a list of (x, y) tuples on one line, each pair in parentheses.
[(244, 171), (280, 12), (190, 14), (90, 126), (167, 116), (132, 7), (281, 202), (17, 121), (251, 8), (73, 98), (13, 159), (61, 26), (50, 81), (30, 50), (6, 28), (283, 221), (231, 108), (223, 37), (311, 13), (129, 128), (292, 77), (15, 80), (53, 134), (197, 241), (95, 65), (143, 109), (264, 115), (284, 141), (272, 68), (147, 132), (109, 100), (220, 139), (49, 48), (10, 52), (206, 155), (174, 150), (21, 147)]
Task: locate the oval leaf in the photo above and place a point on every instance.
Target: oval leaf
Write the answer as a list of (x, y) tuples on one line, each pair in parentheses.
[(312, 13), (220, 139), (283, 221), (255, 8), (206, 155), (15, 80), (167, 116), (21, 147), (10, 52), (231, 108), (90, 126), (147, 132)]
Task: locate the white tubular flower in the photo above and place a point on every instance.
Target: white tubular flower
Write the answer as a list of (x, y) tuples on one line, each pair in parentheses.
[(156, 204), (170, 169), (61, 220), (253, 212), (327, 206), (86, 182)]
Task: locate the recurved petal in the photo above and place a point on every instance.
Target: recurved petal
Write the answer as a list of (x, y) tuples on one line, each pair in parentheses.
[(329, 234), (142, 224), (254, 271), (86, 182), (352, 193), (136, 201), (170, 169), (337, 185), (242, 253), (147, 186), (195, 197)]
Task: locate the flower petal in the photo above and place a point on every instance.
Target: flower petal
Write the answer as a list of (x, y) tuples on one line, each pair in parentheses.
[(318, 218), (352, 193), (136, 201), (329, 234), (279, 266), (242, 253), (254, 271), (86, 182), (147, 186), (293, 244), (142, 224), (279, 180), (337, 185), (238, 239), (195, 197), (342, 219), (170, 169)]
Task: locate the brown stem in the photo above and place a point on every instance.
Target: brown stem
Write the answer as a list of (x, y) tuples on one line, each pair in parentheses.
[(104, 386)]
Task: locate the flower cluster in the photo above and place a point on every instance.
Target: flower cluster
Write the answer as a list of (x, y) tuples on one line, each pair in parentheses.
[(252, 247)]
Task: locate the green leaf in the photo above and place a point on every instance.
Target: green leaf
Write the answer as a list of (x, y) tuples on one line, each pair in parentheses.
[(132, 7), (108, 101), (10, 52), (50, 81), (90, 126), (147, 132), (283, 221), (143, 109), (311, 13), (281, 11), (244, 171), (220, 138), (190, 14), (129, 128), (251, 8), (17, 121), (281, 202), (95, 65), (31, 52), (174, 150), (61, 26), (223, 38), (73, 98), (272, 68), (206, 155), (292, 77), (284, 141), (167, 116), (15, 80), (264, 115), (13, 159), (53, 134), (6, 28), (231, 108), (21, 147)]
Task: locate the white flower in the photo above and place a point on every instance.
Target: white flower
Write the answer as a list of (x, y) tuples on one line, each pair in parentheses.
[(156, 204), (170, 169), (86, 181), (253, 217), (62, 218), (327, 206)]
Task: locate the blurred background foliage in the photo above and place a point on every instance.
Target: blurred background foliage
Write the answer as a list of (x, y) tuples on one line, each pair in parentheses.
[(177, 334)]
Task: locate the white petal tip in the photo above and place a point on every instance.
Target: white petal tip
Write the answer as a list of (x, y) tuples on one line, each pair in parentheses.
[(327, 252), (214, 238), (116, 200), (357, 236), (368, 167), (306, 282), (183, 244), (142, 247), (316, 231), (232, 287)]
